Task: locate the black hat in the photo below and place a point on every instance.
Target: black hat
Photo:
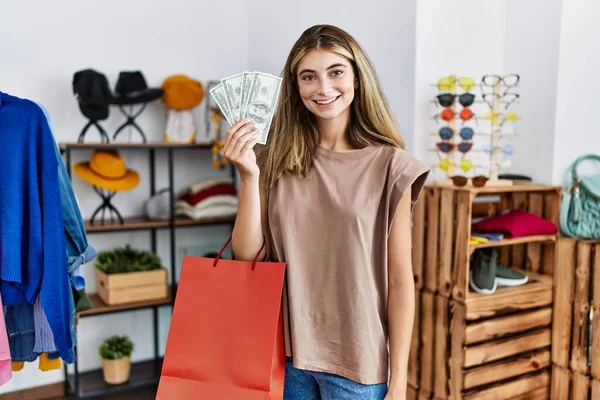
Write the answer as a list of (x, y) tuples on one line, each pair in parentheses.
[(93, 94), (132, 89)]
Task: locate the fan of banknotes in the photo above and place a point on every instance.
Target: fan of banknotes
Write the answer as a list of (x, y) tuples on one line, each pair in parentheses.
[(249, 95)]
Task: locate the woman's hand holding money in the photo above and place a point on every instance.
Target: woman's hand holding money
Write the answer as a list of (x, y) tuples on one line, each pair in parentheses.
[(238, 148)]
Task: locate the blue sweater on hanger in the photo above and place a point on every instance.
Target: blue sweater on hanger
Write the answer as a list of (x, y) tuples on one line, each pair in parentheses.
[(32, 240)]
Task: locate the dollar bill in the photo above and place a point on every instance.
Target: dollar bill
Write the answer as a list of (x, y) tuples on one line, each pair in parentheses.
[(218, 93), (262, 101), (233, 93), (246, 82)]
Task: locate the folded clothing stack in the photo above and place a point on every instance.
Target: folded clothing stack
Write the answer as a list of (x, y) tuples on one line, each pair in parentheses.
[(208, 199), (515, 223)]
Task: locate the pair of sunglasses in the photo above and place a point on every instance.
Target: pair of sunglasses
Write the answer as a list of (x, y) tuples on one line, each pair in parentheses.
[(447, 83), (448, 114), (478, 181), (466, 133), (507, 98), (447, 99), (447, 147), (507, 149), (509, 80), (446, 164), (510, 116)]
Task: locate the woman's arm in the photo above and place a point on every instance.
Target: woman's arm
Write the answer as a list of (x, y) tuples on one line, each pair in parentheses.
[(401, 298), (247, 236)]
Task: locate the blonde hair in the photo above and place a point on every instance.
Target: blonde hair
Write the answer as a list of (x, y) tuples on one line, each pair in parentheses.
[(293, 135)]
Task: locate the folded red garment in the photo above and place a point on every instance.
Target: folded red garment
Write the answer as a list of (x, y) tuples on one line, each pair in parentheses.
[(516, 223), (219, 189)]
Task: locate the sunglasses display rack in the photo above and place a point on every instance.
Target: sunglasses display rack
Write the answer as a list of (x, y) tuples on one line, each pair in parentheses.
[(456, 98)]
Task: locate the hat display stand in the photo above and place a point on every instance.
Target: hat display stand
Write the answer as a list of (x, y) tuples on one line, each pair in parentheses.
[(104, 138), (108, 174), (106, 196), (132, 89), (130, 121), (93, 96)]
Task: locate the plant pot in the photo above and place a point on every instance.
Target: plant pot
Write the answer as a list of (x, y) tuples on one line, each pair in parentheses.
[(116, 371)]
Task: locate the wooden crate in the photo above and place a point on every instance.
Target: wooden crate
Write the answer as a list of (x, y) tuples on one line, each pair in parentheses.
[(576, 339), (474, 346), (131, 287), (569, 385)]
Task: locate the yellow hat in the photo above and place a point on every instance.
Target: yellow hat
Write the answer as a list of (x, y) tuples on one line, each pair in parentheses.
[(106, 169), (181, 92)]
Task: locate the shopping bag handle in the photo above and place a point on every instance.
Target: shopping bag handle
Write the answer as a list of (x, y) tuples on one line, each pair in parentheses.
[(225, 246)]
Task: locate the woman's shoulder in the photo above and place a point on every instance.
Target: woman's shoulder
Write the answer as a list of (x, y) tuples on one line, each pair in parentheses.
[(400, 160)]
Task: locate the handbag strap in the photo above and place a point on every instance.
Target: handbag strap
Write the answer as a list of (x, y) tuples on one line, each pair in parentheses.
[(227, 243), (576, 163)]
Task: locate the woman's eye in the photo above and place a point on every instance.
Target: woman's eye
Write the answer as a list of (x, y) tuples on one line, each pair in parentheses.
[(308, 77), (337, 72)]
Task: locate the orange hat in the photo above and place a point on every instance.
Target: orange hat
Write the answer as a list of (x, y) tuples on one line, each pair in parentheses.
[(181, 92), (106, 169)]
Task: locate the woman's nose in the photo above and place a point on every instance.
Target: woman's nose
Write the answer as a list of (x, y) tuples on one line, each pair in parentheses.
[(323, 87)]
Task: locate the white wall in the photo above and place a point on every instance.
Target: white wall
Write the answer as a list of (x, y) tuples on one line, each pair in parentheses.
[(43, 43), (462, 38), (384, 30), (578, 86), (531, 49)]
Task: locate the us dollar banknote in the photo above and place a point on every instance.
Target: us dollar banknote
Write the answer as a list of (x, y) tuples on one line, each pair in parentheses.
[(246, 82), (233, 93), (262, 101), (218, 93)]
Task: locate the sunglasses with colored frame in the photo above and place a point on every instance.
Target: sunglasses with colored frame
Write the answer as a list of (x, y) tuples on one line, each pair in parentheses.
[(447, 147), (446, 83), (510, 116), (446, 133), (447, 99), (509, 81), (448, 114), (507, 149), (507, 99), (446, 164), (477, 181)]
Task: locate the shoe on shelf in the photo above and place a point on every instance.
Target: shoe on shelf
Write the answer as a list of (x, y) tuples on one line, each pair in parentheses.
[(483, 271), (509, 277)]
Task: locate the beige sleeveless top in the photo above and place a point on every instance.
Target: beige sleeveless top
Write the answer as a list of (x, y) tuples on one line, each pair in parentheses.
[(331, 229)]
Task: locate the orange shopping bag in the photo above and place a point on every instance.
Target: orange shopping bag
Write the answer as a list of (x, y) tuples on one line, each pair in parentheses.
[(226, 335)]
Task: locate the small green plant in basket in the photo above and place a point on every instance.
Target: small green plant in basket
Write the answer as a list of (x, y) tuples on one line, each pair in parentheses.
[(115, 353), (125, 259)]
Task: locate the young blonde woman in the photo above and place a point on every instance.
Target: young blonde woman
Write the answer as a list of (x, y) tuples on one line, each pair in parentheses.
[(331, 195)]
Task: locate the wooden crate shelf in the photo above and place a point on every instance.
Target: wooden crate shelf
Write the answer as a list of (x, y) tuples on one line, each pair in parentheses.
[(567, 384), (467, 345), (576, 340)]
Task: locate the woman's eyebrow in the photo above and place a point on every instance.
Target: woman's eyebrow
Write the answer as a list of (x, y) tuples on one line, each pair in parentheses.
[(336, 65)]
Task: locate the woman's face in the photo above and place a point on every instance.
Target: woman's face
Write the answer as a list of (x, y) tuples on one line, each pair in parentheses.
[(326, 83)]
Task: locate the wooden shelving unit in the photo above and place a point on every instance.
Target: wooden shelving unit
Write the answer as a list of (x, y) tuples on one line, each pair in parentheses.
[(467, 345), (90, 384), (137, 223)]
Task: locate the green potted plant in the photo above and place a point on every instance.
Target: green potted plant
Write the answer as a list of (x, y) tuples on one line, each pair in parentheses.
[(115, 353), (126, 275)]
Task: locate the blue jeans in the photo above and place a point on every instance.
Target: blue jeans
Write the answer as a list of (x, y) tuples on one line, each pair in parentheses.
[(309, 385)]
